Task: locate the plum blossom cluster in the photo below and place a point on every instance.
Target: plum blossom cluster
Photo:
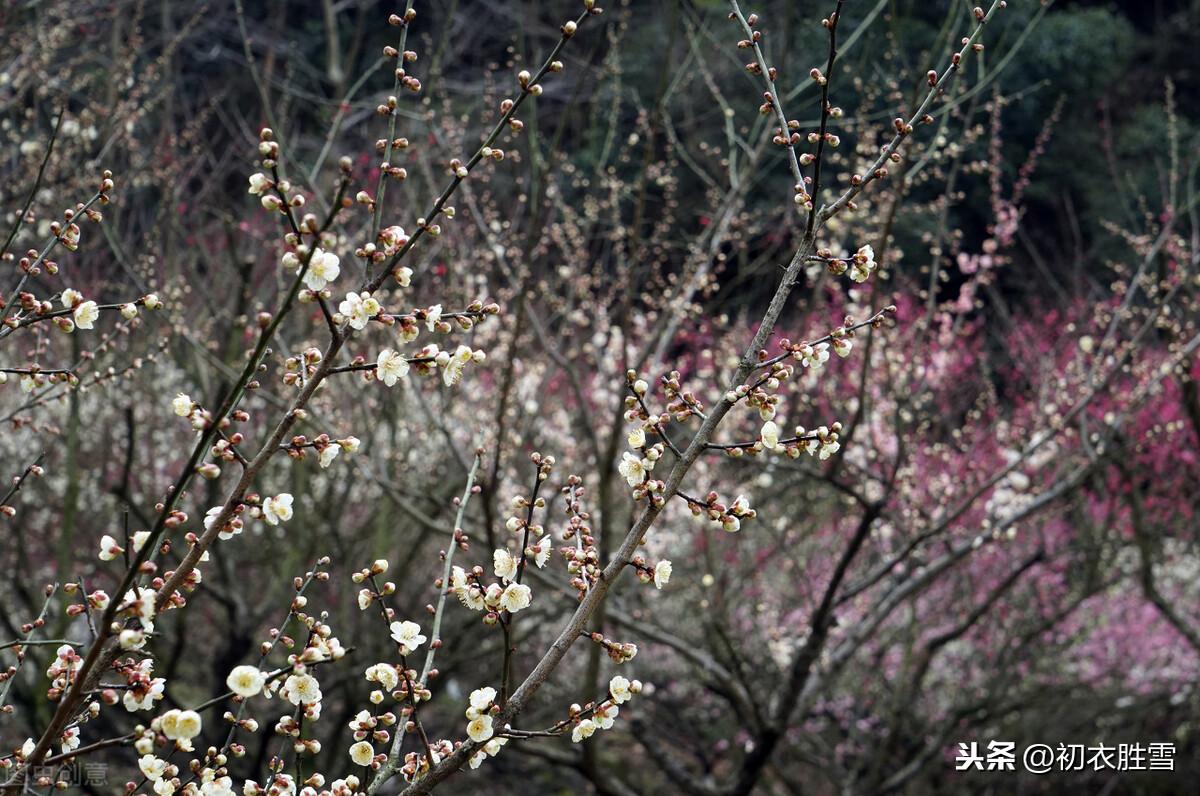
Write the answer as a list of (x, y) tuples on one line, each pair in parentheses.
[(859, 265), (618, 651), (821, 442), (659, 574), (582, 557), (585, 720), (495, 598), (160, 570), (507, 595), (326, 447), (728, 516)]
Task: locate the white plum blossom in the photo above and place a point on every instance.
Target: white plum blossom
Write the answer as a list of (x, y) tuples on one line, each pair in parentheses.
[(301, 689), (515, 597), (862, 264), (390, 367), (144, 691), (152, 768), (327, 455), (109, 549), (245, 681), (182, 405), (504, 564), (618, 689), (453, 367), (70, 297), (432, 316), (383, 673), (323, 268), (140, 601), (541, 551), (392, 239), (181, 725), (490, 749), (605, 715), (479, 729), (229, 530), (407, 635), (358, 309), (769, 435), (362, 753), (632, 468), (662, 574), (813, 356), (85, 315), (259, 184), (277, 509), (584, 729), (482, 698), (212, 785)]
